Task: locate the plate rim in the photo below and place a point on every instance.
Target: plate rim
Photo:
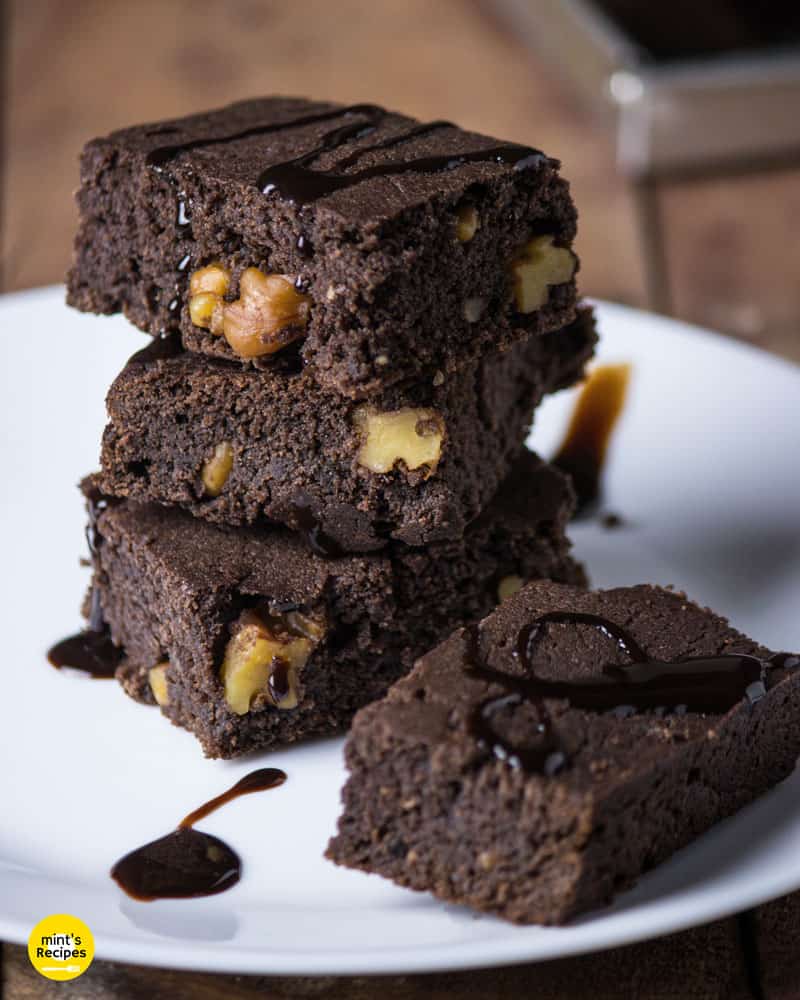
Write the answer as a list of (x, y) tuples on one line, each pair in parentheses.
[(224, 958), (227, 957)]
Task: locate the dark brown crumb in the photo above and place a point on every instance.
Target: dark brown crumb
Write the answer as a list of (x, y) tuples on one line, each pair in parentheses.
[(427, 807), (388, 279), (295, 446), (170, 586)]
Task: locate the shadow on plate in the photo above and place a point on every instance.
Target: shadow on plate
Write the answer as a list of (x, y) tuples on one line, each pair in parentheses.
[(179, 919), (740, 562)]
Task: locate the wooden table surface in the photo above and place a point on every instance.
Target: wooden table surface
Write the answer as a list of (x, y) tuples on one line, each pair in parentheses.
[(732, 245), (704, 964)]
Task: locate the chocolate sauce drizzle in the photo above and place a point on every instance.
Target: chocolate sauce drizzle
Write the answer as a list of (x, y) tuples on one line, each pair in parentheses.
[(582, 453), (96, 503), (690, 684), (91, 651), (298, 183), (186, 862), (159, 157), (294, 179)]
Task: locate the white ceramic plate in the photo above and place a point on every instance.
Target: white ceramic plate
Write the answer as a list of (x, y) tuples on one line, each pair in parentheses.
[(705, 472)]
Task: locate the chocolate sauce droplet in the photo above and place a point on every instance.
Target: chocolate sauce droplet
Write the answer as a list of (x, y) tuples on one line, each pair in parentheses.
[(91, 652), (278, 682), (183, 864), (96, 503), (307, 522), (695, 684), (96, 620), (159, 349), (582, 454), (183, 218), (186, 862), (304, 247)]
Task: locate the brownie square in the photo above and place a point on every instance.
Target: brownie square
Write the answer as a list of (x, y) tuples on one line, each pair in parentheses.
[(248, 639), (391, 249), (528, 768), (235, 445)]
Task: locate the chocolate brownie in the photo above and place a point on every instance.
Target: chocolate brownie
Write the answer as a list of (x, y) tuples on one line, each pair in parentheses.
[(391, 249), (247, 638), (536, 764), (234, 445)]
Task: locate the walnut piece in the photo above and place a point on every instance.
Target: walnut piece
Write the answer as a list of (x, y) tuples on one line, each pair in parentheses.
[(214, 279), (208, 287), (157, 678), (467, 224), (508, 586), (264, 658), (269, 313), (216, 469), (411, 436), (538, 266)]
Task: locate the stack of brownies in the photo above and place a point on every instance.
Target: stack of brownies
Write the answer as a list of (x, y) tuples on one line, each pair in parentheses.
[(317, 469)]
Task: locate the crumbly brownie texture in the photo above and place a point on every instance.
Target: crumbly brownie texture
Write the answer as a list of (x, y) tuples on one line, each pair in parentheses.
[(296, 453), (399, 280), (172, 589), (428, 807)]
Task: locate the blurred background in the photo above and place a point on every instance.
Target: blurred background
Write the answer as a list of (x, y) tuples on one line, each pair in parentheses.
[(678, 124)]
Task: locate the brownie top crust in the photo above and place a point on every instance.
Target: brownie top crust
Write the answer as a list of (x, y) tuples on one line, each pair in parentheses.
[(436, 704), (370, 162), (538, 763), (387, 248)]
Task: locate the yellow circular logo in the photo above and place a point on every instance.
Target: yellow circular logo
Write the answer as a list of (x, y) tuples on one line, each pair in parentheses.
[(61, 947)]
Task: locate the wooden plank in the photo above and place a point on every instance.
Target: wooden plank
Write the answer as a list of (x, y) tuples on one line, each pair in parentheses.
[(706, 963)]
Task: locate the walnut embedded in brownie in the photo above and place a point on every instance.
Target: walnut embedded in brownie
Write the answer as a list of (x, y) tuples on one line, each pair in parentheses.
[(248, 639), (536, 764), (416, 463), (388, 249)]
